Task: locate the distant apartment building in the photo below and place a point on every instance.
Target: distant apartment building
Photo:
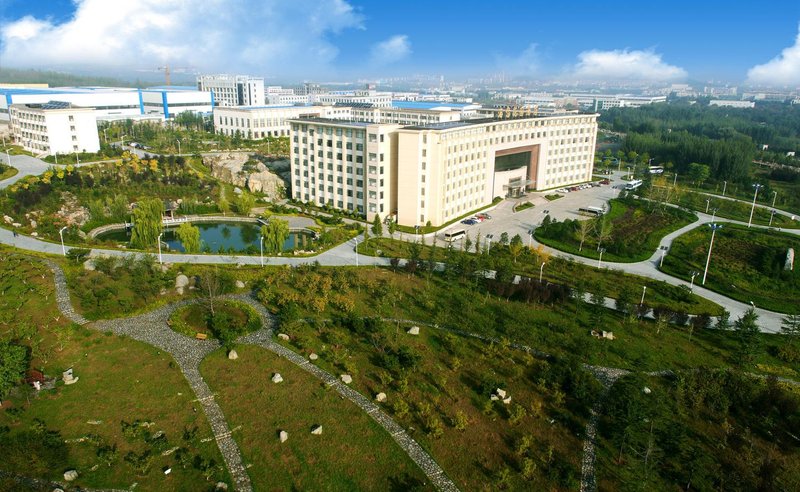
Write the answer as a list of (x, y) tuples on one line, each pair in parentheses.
[(436, 171), (256, 122), (729, 103), (55, 127), (233, 90)]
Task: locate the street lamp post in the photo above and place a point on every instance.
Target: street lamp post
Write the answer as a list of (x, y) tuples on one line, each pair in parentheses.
[(356, 250), (530, 238), (724, 187), (757, 187), (8, 157), (261, 248), (600, 260), (708, 204), (675, 180), (771, 216), (77, 158), (774, 197), (714, 228), (541, 271), (644, 290), (61, 234), (661, 263), (694, 274), (713, 213), (179, 146), (160, 259)]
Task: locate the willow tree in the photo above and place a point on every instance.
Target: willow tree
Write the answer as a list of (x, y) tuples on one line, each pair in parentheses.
[(190, 237), (275, 234), (147, 223)]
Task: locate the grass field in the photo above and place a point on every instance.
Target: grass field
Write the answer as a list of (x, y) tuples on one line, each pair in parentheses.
[(609, 282), (353, 452), (746, 264), (734, 210), (119, 380), (635, 230), (7, 172)]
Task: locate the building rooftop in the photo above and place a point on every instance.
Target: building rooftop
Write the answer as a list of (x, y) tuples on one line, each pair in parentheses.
[(440, 106), (268, 106), (332, 121), (53, 105), (447, 125), (172, 88)]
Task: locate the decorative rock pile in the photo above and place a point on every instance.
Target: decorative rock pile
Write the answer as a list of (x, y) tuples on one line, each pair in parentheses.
[(380, 397), (500, 395), (70, 475), (181, 283)]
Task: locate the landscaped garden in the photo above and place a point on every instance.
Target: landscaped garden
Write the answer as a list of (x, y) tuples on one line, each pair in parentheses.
[(352, 452), (7, 171), (118, 425), (510, 255), (229, 320), (746, 264), (630, 231)]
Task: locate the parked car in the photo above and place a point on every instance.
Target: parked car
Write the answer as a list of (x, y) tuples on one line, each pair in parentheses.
[(469, 221), (485, 216)]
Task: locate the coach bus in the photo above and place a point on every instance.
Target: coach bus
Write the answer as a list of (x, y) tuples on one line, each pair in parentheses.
[(592, 211)]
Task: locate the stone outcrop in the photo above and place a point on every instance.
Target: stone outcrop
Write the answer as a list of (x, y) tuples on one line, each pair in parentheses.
[(231, 167)]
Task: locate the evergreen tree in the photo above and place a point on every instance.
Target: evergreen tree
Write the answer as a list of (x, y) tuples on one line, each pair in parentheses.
[(377, 227), (748, 333)]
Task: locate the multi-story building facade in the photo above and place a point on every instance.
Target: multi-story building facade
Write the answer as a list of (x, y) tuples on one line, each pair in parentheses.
[(233, 90), (346, 164), (255, 122), (437, 171), (55, 127)]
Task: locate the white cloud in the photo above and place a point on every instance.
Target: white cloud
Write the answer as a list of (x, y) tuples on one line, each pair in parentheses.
[(526, 63), (784, 69), (270, 37), (625, 64), (391, 50)]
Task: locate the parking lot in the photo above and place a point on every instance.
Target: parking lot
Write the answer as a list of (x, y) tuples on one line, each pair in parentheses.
[(504, 219)]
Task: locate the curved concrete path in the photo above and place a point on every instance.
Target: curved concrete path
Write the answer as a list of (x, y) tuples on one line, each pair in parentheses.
[(152, 328)]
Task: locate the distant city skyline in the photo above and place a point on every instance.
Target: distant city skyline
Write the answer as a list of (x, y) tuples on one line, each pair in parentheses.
[(755, 44)]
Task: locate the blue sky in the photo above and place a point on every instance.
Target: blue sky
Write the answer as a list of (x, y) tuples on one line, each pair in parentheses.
[(308, 39)]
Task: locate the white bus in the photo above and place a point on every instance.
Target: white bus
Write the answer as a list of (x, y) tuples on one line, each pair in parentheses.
[(593, 211), (454, 235), (656, 170), (633, 185)]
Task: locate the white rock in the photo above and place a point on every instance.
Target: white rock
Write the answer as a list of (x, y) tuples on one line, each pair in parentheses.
[(346, 378), (313, 356), (8, 219), (316, 430), (647, 390), (88, 265), (179, 290), (501, 393), (283, 436), (414, 330), (33, 224), (239, 284), (70, 475), (283, 336), (380, 397), (35, 234), (277, 378), (181, 281), (507, 400), (221, 486), (16, 224), (232, 355), (167, 470), (494, 397), (164, 267)]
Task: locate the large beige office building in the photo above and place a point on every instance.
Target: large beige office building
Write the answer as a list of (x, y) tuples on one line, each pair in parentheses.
[(436, 172)]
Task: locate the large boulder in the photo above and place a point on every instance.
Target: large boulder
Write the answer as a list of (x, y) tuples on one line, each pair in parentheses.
[(277, 378), (283, 436), (70, 475), (181, 281), (232, 355), (346, 378)]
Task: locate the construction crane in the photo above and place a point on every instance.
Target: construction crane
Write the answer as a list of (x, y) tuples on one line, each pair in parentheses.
[(167, 71)]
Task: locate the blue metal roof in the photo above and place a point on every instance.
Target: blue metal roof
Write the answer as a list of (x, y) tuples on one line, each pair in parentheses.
[(171, 88)]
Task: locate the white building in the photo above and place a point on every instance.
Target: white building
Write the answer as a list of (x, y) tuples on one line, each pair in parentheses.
[(114, 102), (254, 122), (233, 90), (601, 102), (730, 103), (436, 171), (55, 127)]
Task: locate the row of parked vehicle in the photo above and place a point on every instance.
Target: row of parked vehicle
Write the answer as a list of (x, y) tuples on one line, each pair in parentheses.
[(583, 186), (476, 219)]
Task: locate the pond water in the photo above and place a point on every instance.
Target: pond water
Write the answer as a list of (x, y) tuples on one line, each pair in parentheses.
[(222, 237)]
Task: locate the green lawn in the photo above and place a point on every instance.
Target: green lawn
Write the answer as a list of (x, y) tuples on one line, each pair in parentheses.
[(353, 452), (734, 210), (7, 172), (119, 380), (523, 206), (635, 229), (746, 264)]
